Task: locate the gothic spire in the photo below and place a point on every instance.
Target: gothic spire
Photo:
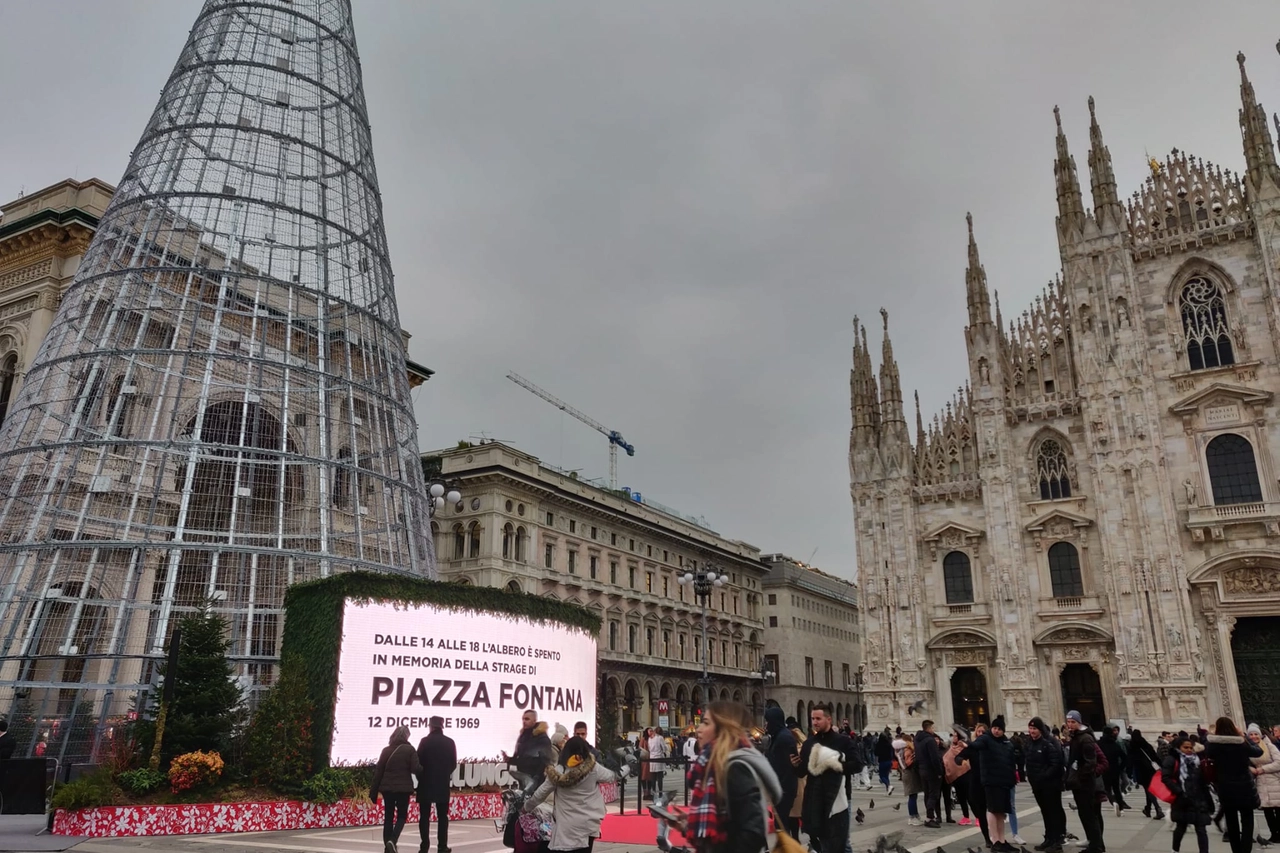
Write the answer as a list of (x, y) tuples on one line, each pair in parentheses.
[(872, 393), (890, 383), (975, 282), (919, 423), (1259, 155), (1106, 201), (1070, 203), (857, 391)]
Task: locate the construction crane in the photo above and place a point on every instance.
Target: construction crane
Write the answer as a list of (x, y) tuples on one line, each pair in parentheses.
[(615, 438)]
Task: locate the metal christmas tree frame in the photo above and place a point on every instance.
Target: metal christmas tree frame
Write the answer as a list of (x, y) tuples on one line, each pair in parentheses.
[(221, 407)]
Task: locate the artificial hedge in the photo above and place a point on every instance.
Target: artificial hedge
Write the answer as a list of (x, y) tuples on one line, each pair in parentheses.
[(313, 625)]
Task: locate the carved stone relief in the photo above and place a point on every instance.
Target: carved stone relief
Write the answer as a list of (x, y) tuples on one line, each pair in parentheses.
[(1251, 581)]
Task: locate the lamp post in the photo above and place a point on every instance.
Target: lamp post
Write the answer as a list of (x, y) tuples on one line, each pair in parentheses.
[(859, 720), (442, 491), (703, 581), (766, 675)]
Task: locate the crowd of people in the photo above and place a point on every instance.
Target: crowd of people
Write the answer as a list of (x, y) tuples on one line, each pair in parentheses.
[(745, 787)]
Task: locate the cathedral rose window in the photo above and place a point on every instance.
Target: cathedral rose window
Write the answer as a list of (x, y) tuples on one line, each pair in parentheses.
[(1204, 322), (1051, 464)]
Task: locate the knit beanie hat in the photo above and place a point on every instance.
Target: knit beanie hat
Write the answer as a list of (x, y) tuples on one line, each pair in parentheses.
[(1254, 729), (998, 722), (1075, 715)]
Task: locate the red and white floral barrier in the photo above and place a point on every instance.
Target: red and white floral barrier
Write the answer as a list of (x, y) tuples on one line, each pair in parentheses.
[(207, 818)]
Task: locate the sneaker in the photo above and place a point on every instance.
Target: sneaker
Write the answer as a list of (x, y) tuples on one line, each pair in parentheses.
[(1017, 839), (950, 819), (932, 824), (890, 790), (964, 821), (1117, 810)]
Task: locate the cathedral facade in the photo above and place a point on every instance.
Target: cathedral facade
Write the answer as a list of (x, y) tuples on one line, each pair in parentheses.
[(1094, 520)]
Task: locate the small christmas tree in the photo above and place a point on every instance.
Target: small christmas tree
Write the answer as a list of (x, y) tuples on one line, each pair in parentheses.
[(280, 744), (205, 705)]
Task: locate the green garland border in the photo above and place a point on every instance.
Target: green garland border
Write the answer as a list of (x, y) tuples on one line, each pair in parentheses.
[(313, 625)]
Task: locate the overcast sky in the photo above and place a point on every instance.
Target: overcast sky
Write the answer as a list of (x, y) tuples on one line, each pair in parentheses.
[(668, 213)]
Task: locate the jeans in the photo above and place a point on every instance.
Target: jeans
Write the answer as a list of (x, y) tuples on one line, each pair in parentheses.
[(913, 810), (1202, 837), (1049, 799), (395, 813), (442, 823), (885, 767), (1090, 811), (1013, 811), (1111, 781), (1240, 829)]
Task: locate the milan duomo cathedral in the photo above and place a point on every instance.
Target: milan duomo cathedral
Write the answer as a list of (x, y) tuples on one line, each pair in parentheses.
[(1094, 520)]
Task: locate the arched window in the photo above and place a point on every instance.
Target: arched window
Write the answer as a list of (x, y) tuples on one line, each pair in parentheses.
[(473, 534), (1064, 571), (1204, 323), (7, 373), (514, 586), (459, 542), (957, 576), (1051, 465), (1233, 471), (522, 543), (508, 541)]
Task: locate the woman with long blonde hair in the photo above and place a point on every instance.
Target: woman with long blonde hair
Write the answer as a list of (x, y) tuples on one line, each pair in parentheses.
[(727, 813)]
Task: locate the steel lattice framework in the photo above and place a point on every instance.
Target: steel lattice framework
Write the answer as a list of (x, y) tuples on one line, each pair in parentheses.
[(221, 407)]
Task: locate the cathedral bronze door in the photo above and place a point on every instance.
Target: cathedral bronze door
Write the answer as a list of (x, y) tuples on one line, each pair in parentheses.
[(1255, 644), (969, 696), (1082, 691)]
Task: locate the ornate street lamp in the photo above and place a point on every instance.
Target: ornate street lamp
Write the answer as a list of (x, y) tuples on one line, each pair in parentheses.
[(859, 718), (767, 674), (437, 490), (703, 581)]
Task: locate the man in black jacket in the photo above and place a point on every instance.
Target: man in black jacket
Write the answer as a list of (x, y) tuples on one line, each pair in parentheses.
[(929, 769), (438, 756), (826, 809), (1045, 763), (1109, 743), (782, 748), (1083, 763)]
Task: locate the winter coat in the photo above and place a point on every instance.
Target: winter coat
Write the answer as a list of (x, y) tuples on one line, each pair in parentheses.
[(884, 748), (825, 779), (952, 769), (1194, 803), (534, 752), (911, 783), (782, 745), (1231, 756), (8, 745), (1045, 763), (397, 765), (438, 757), (747, 817), (1268, 781), (928, 756), (1082, 763), (579, 805), (1141, 758), (1110, 747), (997, 767)]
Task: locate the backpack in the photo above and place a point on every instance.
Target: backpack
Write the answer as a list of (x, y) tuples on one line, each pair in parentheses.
[(908, 756)]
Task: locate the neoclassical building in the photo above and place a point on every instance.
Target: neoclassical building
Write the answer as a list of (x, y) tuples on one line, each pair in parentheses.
[(528, 527), (1094, 520)]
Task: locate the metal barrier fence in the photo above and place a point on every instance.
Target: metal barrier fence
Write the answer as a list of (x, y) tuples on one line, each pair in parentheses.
[(679, 762)]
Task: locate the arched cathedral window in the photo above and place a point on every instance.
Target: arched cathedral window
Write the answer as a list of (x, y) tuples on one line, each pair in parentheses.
[(1204, 323), (1064, 571), (1233, 470), (957, 577), (1051, 465)]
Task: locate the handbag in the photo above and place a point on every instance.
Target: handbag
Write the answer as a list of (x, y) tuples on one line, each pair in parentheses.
[(778, 841), (1160, 790)]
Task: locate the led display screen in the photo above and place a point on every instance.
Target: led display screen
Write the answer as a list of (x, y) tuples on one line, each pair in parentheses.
[(401, 664)]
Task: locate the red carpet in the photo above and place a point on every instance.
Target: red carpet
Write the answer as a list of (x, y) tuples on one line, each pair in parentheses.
[(634, 829)]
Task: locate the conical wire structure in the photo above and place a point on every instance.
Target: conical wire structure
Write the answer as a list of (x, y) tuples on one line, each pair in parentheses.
[(221, 407)]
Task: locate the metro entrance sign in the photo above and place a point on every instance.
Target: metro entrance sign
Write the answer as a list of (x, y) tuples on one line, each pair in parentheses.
[(664, 712)]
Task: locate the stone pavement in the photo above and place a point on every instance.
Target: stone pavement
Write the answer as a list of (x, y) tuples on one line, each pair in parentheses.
[(1131, 833)]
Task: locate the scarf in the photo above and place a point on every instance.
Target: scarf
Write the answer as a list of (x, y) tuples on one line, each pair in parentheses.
[(704, 812), (1186, 764)]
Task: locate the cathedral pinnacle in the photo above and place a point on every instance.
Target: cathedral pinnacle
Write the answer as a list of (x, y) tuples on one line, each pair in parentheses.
[(975, 280), (1070, 202), (1259, 155), (1106, 201)]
